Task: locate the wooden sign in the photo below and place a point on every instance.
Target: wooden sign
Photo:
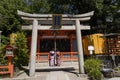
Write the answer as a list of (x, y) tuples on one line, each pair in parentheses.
[(57, 19)]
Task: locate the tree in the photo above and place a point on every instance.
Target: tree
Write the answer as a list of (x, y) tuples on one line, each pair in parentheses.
[(9, 20), (111, 12), (39, 6), (75, 7)]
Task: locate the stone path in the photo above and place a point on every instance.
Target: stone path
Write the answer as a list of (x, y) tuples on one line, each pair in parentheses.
[(52, 75), (114, 78), (57, 75)]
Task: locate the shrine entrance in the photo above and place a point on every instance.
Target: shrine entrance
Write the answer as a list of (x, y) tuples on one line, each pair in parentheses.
[(61, 41), (62, 45), (64, 41)]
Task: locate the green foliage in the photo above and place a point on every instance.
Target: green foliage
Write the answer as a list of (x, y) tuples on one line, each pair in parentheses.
[(40, 6), (117, 69), (4, 42), (3, 60), (9, 20), (92, 63), (76, 7), (21, 53), (92, 68), (95, 74)]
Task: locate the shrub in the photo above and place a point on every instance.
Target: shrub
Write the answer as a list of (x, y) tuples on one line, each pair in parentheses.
[(92, 68), (95, 74), (21, 53)]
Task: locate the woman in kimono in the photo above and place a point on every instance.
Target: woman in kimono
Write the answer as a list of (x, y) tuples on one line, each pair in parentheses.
[(58, 60), (52, 53)]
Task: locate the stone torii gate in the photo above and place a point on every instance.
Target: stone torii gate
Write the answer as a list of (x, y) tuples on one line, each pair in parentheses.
[(69, 22)]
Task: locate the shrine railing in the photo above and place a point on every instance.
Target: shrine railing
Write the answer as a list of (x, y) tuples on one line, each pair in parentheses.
[(7, 70), (44, 56)]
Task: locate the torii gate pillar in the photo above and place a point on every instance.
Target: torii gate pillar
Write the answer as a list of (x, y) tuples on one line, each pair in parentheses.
[(79, 46), (33, 48)]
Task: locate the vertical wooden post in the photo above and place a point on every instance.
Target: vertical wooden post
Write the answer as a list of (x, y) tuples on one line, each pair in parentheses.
[(39, 46), (71, 47), (10, 66), (38, 49)]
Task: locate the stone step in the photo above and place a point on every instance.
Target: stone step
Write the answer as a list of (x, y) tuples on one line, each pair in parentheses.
[(42, 64), (63, 63)]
